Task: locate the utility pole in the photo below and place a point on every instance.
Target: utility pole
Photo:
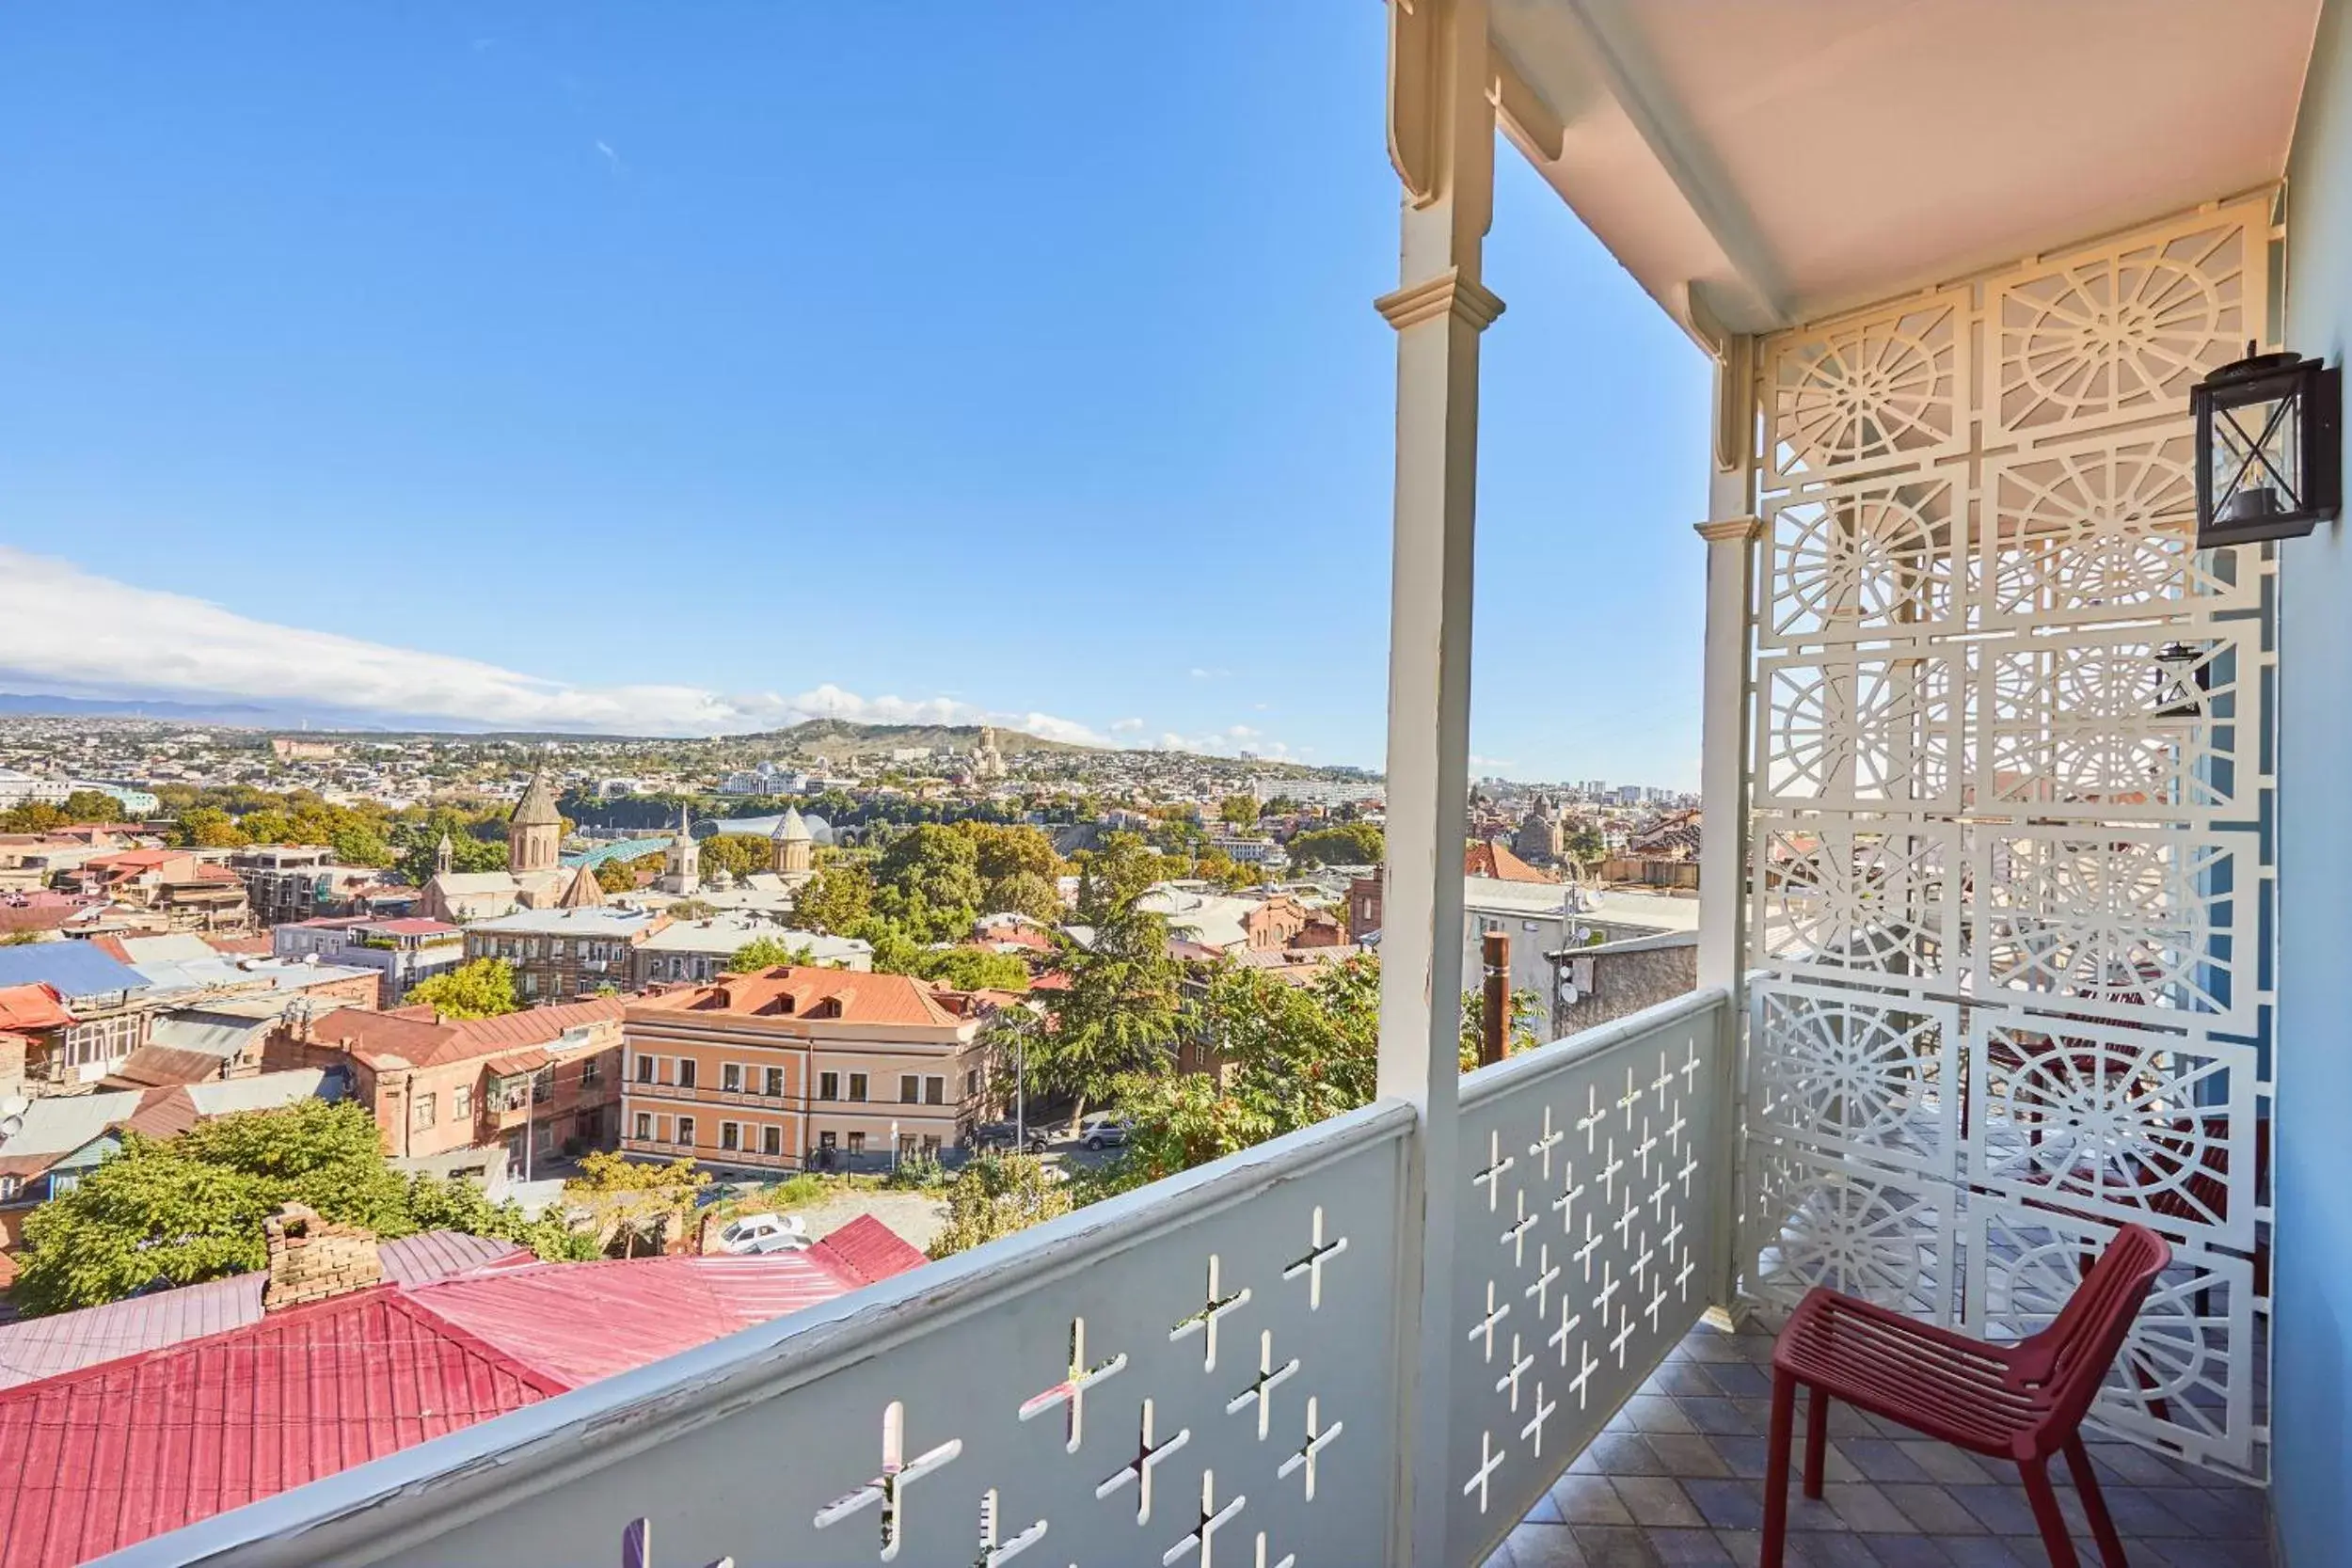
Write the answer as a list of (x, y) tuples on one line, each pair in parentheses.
[(1494, 1017)]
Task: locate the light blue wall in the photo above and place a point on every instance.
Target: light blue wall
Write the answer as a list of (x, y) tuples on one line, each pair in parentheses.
[(2312, 1379)]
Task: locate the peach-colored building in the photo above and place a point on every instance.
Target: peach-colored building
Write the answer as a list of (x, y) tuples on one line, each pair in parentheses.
[(794, 1066)]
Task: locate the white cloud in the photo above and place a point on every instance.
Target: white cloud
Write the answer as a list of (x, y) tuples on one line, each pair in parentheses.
[(1201, 675), (1126, 726), (68, 632), (610, 156)]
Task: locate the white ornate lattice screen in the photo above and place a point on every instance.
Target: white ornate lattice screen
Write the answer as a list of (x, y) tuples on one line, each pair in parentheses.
[(2011, 819)]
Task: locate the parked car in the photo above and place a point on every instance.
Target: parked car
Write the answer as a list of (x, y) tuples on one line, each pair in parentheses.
[(1104, 1132), (1005, 1135), (757, 1233)]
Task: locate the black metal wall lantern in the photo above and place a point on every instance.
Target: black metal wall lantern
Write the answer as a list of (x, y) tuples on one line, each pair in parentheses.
[(2269, 456), (2181, 682)]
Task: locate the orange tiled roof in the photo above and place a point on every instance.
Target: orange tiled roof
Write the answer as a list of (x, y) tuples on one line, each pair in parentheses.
[(416, 1037), (1489, 858), (788, 991)]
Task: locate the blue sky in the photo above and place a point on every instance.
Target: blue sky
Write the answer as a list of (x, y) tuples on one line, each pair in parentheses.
[(703, 365)]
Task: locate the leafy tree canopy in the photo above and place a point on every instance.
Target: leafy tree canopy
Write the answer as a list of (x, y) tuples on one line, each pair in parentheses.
[(997, 1195), (837, 901), (973, 969), (1345, 844), (480, 988), (1239, 810), (737, 854), (191, 1208), (1119, 1015), (766, 953), (929, 882)]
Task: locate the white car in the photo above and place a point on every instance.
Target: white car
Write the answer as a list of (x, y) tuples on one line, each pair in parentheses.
[(756, 1233), (1104, 1132)]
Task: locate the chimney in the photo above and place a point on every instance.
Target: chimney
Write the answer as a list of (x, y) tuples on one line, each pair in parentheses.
[(311, 1259)]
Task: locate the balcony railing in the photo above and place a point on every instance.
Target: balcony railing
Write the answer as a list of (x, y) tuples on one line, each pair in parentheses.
[(1210, 1368)]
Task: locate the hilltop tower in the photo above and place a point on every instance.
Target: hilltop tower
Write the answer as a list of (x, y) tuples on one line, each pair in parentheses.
[(444, 856), (535, 832)]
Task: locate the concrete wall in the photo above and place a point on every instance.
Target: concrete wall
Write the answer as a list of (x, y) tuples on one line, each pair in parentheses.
[(1627, 977), (2311, 1334)]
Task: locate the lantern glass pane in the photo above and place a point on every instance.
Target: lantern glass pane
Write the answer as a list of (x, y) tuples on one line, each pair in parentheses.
[(2257, 460)]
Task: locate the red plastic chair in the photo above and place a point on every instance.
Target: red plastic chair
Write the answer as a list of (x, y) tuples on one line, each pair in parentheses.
[(2022, 1402)]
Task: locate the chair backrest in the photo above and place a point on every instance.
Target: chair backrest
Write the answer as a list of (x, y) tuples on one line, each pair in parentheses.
[(2066, 1361)]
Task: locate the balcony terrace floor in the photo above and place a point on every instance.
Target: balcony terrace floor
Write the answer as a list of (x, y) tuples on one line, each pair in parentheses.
[(1676, 1477)]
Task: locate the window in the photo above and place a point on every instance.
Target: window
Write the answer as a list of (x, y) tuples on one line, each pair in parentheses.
[(972, 1082), (63, 1181), (590, 1071), (731, 1078), (857, 1086), (686, 1131), (461, 1102), (909, 1089), (729, 1135), (857, 1143), (531, 982), (829, 1086), (9, 1187), (934, 1091), (827, 1140), (772, 1141), (686, 1072), (776, 1080), (644, 1125), (421, 1110), (931, 1147)]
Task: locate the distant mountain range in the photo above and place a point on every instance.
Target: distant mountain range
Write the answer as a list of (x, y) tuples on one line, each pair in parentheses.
[(839, 740)]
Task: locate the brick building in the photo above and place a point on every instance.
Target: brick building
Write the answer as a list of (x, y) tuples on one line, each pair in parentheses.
[(565, 953)]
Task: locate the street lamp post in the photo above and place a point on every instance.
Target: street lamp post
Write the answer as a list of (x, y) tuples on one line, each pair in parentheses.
[(894, 1148)]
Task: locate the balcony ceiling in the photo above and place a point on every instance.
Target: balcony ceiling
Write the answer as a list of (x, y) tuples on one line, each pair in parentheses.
[(1756, 164)]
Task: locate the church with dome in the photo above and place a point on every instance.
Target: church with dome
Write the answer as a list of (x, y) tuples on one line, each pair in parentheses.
[(535, 879)]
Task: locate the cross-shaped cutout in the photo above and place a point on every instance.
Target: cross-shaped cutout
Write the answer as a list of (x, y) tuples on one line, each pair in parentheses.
[(889, 1488), (1490, 1460), (1213, 1519), (1071, 1390), (1543, 1146), (1584, 1374), (1690, 1168), (1625, 1332), (1623, 1224), (1682, 1276), (1514, 1234), (1518, 1364), (1649, 1141), (1260, 1389), (1632, 1097), (1566, 1202), (993, 1552), (1311, 1265), (1690, 1068), (1544, 1412), (1289, 1560), (1319, 1437), (637, 1546), (1206, 1318), (1569, 1322), (1546, 1273), (1589, 1123), (1490, 1178), (1592, 1245), (1657, 1300), (1609, 1174), (1664, 1080), (1673, 1233), (1674, 1129), (1641, 1262), (1609, 1285), (1658, 1197), (1487, 1325), (1138, 1469)]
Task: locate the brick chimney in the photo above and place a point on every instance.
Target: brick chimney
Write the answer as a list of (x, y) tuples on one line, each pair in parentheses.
[(311, 1259)]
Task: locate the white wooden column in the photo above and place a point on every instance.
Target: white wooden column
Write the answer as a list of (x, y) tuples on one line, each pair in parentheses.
[(1441, 140), (1725, 762)]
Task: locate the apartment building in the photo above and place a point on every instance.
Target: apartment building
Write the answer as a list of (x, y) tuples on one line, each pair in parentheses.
[(797, 1065), (563, 954)]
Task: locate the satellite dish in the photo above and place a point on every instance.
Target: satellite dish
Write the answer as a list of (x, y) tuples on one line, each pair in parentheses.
[(12, 1116)]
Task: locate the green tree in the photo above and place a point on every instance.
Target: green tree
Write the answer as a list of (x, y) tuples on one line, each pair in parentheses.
[(416, 840), (973, 969), (929, 882), (629, 1198), (210, 828), (1017, 866), (997, 1195), (1119, 1015), (839, 901), (737, 854), (1241, 811), (92, 805), (1347, 843), (766, 953), (190, 1208), (1024, 893), (1526, 1014), (481, 988)]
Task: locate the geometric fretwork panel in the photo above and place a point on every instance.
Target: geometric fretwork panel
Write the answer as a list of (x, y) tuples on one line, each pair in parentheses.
[(2011, 874), (1865, 731)]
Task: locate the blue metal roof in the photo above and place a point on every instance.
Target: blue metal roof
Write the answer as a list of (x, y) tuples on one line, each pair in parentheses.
[(74, 968)]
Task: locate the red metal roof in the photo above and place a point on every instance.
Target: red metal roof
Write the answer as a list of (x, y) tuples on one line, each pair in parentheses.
[(867, 1250), (100, 1458), (35, 1348), (580, 1322), (32, 1007)]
